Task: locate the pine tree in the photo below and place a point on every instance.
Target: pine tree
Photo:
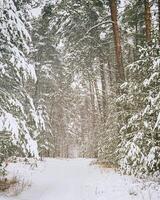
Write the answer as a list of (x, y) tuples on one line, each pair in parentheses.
[(139, 133), (19, 121), (140, 100)]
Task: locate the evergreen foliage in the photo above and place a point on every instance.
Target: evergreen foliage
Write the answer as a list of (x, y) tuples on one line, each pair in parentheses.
[(140, 101), (19, 121)]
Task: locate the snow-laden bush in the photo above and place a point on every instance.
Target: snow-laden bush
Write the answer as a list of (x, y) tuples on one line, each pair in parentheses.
[(140, 114)]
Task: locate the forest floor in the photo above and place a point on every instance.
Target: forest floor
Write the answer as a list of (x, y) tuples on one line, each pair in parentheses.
[(76, 179)]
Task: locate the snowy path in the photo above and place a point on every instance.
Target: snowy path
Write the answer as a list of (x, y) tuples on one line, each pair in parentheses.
[(76, 179)]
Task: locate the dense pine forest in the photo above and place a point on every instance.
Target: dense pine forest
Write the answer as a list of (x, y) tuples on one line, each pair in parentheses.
[(81, 78)]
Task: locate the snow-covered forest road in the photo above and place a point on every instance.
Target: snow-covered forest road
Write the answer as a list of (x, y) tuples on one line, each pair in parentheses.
[(77, 179)]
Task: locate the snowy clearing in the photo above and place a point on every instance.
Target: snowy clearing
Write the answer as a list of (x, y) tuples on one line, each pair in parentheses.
[(77, 179)]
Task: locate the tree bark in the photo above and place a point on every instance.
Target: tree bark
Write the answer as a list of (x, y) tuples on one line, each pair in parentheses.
[(148, 21), (159, 20), (96, 91), (94, 136), (110, 81), (104, 89), (118, 51)]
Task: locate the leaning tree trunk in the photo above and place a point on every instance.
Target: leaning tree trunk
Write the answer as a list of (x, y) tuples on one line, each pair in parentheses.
[(148, 21), (118, 51)]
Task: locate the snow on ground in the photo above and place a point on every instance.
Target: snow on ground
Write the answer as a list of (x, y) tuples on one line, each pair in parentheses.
[(76, 179)]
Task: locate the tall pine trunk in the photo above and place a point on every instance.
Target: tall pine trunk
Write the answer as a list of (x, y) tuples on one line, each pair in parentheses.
[(96, 92), (118, 51), (159, 20), (104, 89), (94, 136), (148, 21)]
